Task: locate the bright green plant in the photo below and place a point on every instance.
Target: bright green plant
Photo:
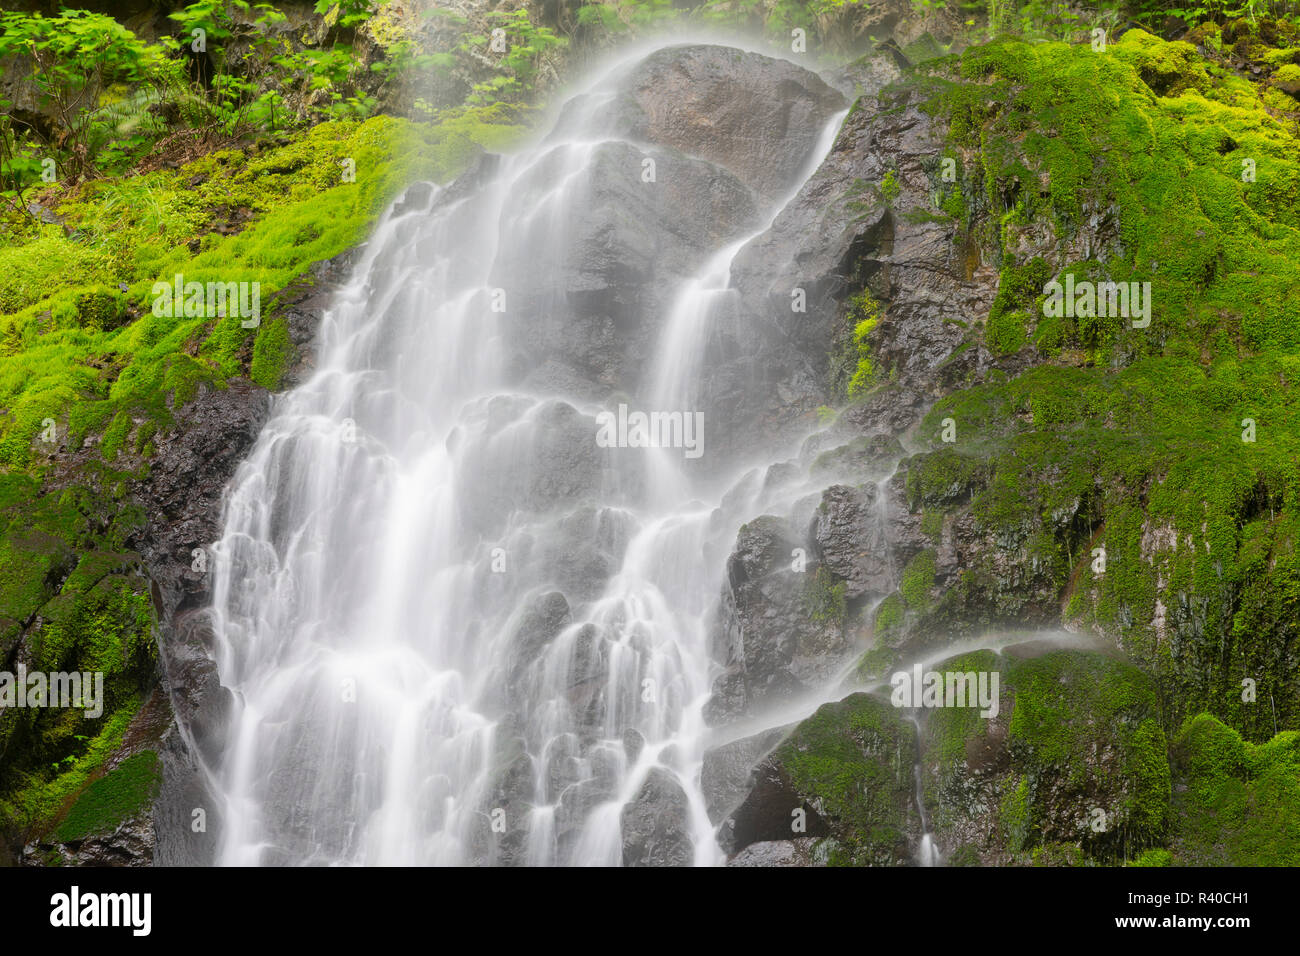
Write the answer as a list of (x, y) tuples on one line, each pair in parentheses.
[(76, 55), (526, 47)]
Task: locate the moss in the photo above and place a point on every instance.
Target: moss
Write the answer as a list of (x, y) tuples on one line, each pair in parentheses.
[(864, 314), (890, 188), (1014, 814), (876, 663), (1050, 693), (1005, 334), (889, 616), (917, 580), (853, 760), (1156, 856), (1074, 731), (272, 354), (1236, 801), (1019, 289), (112, 799), (941, 478), (965, 855), (824, 598), (34, 796), (89, 351), (78, 601)]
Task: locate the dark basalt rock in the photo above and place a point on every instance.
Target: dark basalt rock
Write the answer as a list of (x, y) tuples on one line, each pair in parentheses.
[(769, 811), (656, 824), (798, 852), (591, 306), (746, 112), (773, 646), (724, 777), (849, 769), (182, 499), (853, 539)]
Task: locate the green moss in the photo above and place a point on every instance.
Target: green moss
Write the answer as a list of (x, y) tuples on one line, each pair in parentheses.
[(889, 616), (889, 187), (35, 796), (272, 354), (1005, 334), (112, 799), (1019, 290), (1075, 731), (864, 314), (917, 580), (1236, 803), (89, 352), (941, 478), (1016, 818), (1153, 857), (80, 603), (824, 598), (877, 663), (854, 759)]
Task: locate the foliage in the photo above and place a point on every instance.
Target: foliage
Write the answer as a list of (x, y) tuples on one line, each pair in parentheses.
[(75, 54), (525, 47), (1139, 439)]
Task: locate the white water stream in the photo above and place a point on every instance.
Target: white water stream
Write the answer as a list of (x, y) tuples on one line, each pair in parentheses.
[(382, 552)]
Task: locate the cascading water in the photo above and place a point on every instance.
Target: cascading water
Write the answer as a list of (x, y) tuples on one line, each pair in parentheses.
[(392, 544), (927, 854)]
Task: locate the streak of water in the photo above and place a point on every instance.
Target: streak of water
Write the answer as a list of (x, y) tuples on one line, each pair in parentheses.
[(437, 640)]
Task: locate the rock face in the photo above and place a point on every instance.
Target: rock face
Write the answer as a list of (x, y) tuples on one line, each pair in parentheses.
[(745, 112), (781, 631), (801, 852), (656, 824), (853, 539), (714, 138), (845, 775), (725, 776), (182, 498), (1074, 761)]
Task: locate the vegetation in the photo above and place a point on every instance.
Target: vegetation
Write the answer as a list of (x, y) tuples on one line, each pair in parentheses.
[(117, 796), (234, 148), (1174, 447), (155, 174)]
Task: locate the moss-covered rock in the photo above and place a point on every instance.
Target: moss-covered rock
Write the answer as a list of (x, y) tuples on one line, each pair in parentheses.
[(1074, 758), (846, 774), (1234, 802)]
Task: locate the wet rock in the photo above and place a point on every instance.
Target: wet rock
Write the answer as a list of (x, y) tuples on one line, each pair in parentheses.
[(633, 744), (772, 810), (542, 620), (725, 776), (656, 824), (130, 844), (748, 113), (510, 794), (531, 457), (847, 772), (852, 534), (798, 852), (778, 634), (590, 307)]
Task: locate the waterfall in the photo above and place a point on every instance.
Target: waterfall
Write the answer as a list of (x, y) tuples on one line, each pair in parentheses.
[(444, 648)]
